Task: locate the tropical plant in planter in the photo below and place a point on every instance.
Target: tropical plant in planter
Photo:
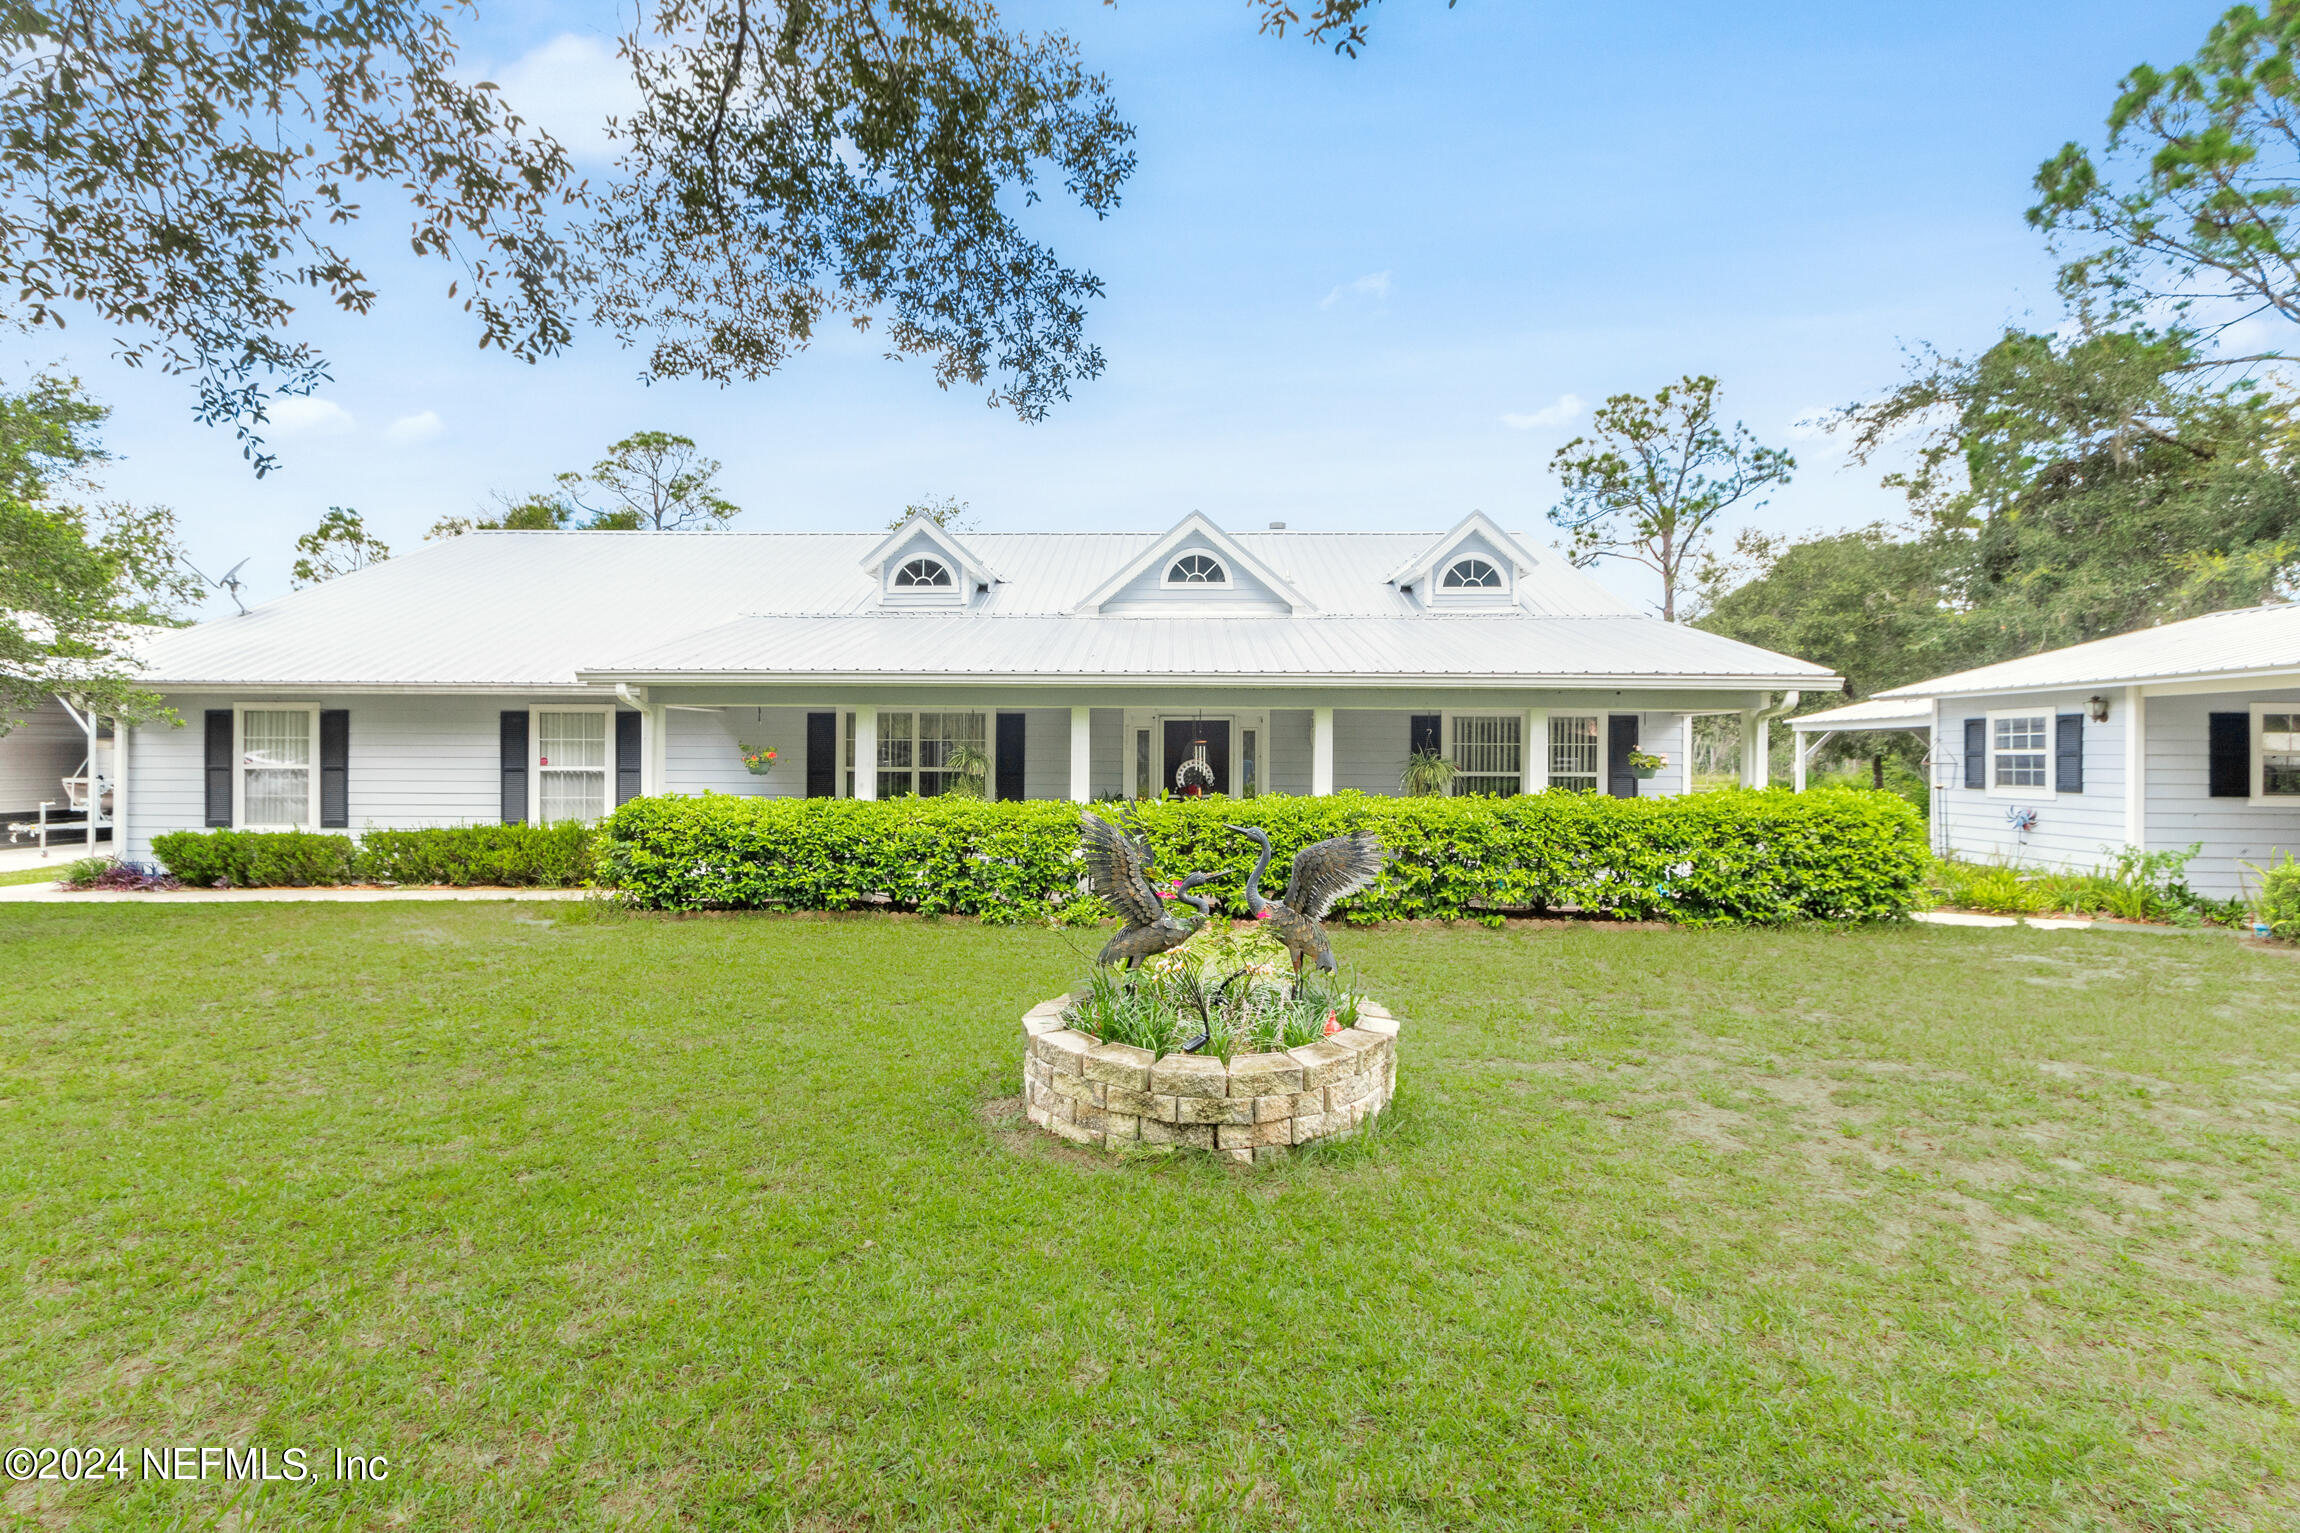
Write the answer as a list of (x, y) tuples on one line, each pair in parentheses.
[(1427, 775), (760, 759), (969, 771), (1645, 764), (1228, 990)]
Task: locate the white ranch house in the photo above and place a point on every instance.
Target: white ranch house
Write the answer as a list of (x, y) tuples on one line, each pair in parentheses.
[(537, 676), (2187, 734)]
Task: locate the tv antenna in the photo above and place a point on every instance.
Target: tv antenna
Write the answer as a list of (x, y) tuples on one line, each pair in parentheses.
[(229, 584)]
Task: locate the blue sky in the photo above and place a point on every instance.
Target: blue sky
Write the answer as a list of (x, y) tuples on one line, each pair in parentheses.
[(1343, 294)]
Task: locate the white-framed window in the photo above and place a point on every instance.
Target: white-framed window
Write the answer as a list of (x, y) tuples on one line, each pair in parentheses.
[(923, 753), (277, 784), (1471, 575), (2276, 753), (1576, 752), (2020, 753), (1197, 570), (1487, 752), (922, 574), (574, 766)]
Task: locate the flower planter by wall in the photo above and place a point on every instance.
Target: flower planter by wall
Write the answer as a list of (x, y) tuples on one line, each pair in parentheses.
[(1255, 1108)]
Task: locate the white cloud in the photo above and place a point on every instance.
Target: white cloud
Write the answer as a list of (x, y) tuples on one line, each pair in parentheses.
[(1566, 407), (1374, 285), (408, 429), (569, 87), (300, 415)]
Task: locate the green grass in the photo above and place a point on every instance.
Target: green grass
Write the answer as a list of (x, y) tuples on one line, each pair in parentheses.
[(46, 873), (731, 1222)]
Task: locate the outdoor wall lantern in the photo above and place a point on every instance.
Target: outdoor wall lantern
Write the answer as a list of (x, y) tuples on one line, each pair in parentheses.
[(2098, 708)]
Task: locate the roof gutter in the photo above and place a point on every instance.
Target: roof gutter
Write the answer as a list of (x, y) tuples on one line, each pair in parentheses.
[(2167, 679)]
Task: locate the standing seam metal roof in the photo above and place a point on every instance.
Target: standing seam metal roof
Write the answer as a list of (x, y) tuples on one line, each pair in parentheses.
[(549, 609)]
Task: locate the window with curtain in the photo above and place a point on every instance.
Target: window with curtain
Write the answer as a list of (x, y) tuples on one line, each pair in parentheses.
[(2279, 755), (921, 753), (1574, 741), (571, 765), (276, 750), (1486, 753)]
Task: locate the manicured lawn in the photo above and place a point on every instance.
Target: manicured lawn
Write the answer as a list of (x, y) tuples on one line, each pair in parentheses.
[(46, 873), (730, 1222)]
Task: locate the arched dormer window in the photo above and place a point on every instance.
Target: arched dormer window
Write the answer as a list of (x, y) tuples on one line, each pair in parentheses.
[(1471, 575), (1197, 570), (922, 575)]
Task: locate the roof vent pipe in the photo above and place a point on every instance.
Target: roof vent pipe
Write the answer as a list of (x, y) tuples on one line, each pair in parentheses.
[(1277, 526)]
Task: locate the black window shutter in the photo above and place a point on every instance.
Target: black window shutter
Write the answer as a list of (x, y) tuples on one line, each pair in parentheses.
[(1976, 753), (219, 758), (626, 757), (1425, 732), (2231, 755), (335, 768), (514, 766), (2068, 753), (822, 755), (1620, 740), (1010, 759)]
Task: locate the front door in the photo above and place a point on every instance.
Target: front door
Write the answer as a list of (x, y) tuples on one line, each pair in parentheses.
[(1197, 739)]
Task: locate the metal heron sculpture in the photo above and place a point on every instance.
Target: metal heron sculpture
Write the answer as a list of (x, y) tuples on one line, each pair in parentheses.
[(1323, 872), (1118, 868)]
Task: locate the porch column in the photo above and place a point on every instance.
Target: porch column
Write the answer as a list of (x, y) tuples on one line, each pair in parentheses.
[(654, 747), (1081, 755), (866, 752), (1533, 754), (120, 730), (1756, 751), (1321, 751), (2135, 768)]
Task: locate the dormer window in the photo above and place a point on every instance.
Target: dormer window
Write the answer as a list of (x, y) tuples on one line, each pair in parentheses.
[(1471, 575), (922, 575), (1197, 570)]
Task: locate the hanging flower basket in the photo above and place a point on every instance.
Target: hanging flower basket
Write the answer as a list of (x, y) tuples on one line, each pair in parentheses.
[(760, 759), (1645, 765)]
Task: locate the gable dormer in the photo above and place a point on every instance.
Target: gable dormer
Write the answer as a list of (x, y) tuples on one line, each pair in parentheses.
[(922, 564), (1196, 567), (1474, 565)]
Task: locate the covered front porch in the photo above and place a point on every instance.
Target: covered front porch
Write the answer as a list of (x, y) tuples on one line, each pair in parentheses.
[(1137, 744)]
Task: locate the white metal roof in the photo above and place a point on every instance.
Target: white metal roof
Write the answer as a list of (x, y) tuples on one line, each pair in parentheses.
[(2241, 644), (1875, 713), (1587, 650), (537, 610)]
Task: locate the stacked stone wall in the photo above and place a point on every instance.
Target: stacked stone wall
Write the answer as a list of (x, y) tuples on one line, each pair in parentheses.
[(1255, 1108)]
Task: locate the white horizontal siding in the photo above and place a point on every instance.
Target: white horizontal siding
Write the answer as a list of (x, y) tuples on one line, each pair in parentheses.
[(2075, 831), (1668, 735), (1107, 763), (2182, 812), (1046, 753), (1370, 748), (167, 776), (1291, 732), (702, 751)]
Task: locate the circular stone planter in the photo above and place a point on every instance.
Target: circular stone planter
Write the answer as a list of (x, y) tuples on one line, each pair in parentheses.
[(1255, 1108)]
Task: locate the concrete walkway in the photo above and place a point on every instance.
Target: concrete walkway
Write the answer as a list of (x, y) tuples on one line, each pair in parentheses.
[(49, 894)]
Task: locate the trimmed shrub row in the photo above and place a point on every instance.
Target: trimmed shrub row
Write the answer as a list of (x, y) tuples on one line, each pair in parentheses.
[(1709, 859), (551, 857)]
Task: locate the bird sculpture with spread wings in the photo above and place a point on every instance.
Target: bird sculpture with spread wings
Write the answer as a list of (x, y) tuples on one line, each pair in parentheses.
[(1323, 872), (1118, 868)]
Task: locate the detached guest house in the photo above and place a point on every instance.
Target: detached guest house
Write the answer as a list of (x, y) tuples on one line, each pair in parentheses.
[(518, 676), (2160, 740)]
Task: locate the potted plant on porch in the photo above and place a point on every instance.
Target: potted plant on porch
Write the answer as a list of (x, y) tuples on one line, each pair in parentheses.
[(1644, 764)]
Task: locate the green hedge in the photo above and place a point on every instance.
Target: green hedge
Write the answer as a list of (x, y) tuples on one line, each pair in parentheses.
[(1708, 859), (539, 856), (255, 859), (552, 857)]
